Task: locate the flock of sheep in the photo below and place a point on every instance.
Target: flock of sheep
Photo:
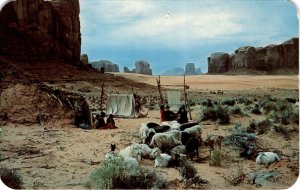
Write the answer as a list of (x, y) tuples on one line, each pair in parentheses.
[(170, 142)]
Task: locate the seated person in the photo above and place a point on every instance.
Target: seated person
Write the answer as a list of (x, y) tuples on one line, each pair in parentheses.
[(182, 113), (169, 115), (100, 120), (110, 122)]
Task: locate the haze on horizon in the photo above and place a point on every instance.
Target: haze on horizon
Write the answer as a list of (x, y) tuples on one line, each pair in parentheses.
[(170, 33)]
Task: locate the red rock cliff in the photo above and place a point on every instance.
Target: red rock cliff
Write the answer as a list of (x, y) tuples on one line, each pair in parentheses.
[(37, 30)]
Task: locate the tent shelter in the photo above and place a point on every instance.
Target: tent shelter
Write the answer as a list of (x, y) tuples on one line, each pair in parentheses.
[(120, 105)]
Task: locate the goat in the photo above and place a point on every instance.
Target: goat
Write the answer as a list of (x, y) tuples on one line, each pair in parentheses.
[(161, 159), (143, 132), (145, 150), (132, 151), (213, 140), (130, 163), (111, 154)]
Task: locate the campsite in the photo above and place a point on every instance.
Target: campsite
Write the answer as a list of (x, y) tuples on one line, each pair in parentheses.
[(146, 94), (57, 154)]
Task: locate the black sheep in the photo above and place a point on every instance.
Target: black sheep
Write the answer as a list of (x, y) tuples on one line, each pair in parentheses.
[(161, 129), (152, 125), (187, 125), (192, 147)]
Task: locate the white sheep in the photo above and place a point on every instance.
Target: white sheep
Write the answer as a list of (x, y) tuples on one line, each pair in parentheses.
[(163, 140), (143, 132), (145, 150), (195, 131), (132, 151), (161, 160), (175, 125), (131, 164), (266, 158), (180, 149), (175, 133)]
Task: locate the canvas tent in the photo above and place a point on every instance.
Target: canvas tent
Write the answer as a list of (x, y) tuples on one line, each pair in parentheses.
[(120, 105)]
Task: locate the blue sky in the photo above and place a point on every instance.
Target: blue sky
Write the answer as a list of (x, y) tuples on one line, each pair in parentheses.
[(171, 33)]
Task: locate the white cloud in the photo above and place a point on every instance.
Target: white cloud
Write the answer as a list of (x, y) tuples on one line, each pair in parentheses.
[(146, 23)]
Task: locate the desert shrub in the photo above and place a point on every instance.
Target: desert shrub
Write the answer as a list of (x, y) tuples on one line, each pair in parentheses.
[(264, 126), (237, 177), (216, 158), (291, 100), (264, 101), (216, 113), (187, 170), (285, 115), (229, 102), (189, 174), (282, 130), (143, 179), (11, 178), (270, 106), (238, 129), (222, 115), (115, 174), (251, 128), (209, 113), (256, 110), (244, 100), (236, 110)]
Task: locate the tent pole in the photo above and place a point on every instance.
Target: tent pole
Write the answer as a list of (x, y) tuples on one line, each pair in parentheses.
[(186, 103), (159, 90), (102, 94)]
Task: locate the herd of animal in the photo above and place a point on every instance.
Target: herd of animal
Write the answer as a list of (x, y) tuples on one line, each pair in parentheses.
[(170, 142)]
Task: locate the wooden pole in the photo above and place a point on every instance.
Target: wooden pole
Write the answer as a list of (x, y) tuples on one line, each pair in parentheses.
[(159, 90), (184, 92), (186, 103), (102, 94)]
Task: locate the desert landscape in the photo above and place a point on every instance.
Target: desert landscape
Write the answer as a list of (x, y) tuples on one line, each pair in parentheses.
[(56, 154), (242, 130)]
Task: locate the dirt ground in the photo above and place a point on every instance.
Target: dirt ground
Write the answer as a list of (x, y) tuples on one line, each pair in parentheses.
[(58, 155)]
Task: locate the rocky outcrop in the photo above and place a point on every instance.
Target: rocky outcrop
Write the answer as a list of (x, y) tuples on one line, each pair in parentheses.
[(141, 67), (176, 71), (282, 58), (107, 65), (218, 62), (84, 59), (38, 30), (190, 69)]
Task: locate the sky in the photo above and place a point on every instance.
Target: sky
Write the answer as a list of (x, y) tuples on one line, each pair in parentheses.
[(172, 33)]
